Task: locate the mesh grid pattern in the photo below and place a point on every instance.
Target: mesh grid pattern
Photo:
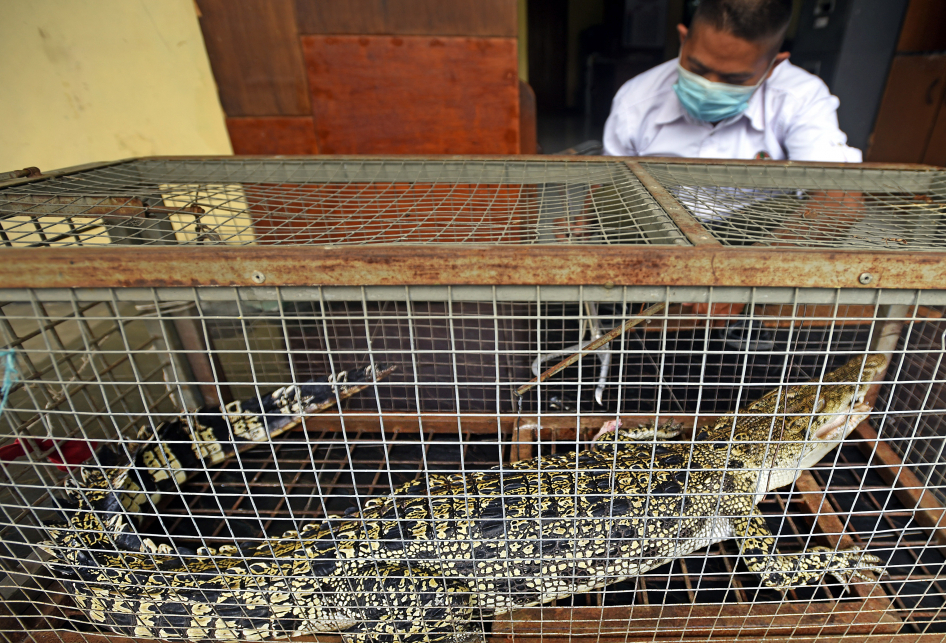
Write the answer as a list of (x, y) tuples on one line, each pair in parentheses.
[(912, 435), (812, 206), (325, 201), (105, 374), (101, 370)]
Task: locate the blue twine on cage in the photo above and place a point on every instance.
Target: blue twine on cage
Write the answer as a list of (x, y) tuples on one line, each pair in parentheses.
[(8, 359)]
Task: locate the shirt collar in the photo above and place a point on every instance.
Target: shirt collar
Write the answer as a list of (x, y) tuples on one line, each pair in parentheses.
[(755, 111), (672, 109)]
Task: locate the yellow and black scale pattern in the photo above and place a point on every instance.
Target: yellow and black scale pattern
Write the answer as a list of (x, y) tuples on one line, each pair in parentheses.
[(174, 450), (425, 563)]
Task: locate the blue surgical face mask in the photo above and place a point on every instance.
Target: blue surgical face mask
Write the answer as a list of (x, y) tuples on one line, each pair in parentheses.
[(709, 101)]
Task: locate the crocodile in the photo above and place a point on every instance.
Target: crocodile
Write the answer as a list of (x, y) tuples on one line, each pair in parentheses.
[(426, 563)]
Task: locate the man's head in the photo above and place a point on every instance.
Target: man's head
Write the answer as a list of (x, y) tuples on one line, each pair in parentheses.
[(735, 41)]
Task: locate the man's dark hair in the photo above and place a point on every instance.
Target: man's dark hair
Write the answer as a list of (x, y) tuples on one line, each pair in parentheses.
[(752, 20)]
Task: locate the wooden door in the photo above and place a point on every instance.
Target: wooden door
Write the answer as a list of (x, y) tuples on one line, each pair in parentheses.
[(909, 111)]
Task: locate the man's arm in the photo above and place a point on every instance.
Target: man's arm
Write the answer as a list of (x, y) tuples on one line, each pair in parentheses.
[(813, 133), (618, 137), (617, 140)]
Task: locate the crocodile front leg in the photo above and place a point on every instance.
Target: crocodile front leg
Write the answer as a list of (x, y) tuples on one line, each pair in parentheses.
[(784, 571), (611, 431)]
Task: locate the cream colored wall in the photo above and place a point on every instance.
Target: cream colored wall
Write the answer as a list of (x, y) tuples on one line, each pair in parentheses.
[(102, 80)]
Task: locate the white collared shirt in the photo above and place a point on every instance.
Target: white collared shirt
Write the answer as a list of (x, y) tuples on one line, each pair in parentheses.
[(791, 116)]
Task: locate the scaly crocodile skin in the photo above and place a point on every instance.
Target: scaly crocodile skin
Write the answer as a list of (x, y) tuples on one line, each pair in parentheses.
[(422, 564)]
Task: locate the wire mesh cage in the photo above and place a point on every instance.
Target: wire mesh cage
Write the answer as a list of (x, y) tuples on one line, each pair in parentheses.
[(446, 399)]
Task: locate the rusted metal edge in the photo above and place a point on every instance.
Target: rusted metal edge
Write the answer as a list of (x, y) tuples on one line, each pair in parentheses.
[(25, 173), (399, 265), (75, 169), (873, 165), (707, 622), (688, 225), (545, 158), (572, 158)]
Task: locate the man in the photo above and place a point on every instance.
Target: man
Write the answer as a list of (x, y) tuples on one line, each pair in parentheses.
[(730, 94)]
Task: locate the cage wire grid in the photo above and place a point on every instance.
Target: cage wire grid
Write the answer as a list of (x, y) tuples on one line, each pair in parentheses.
[(367, 201), (809, 206), (273, 475), (346, 202), (107, 366)]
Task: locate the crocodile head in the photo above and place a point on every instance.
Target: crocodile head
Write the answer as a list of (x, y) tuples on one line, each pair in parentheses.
[(791, 428)]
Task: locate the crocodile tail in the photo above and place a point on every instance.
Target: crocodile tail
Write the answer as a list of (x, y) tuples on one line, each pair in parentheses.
[(212, 435), (152, 591), (109, 569), (180, 446)]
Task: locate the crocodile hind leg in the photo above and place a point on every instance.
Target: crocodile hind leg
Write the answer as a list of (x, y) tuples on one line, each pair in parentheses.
[(784, 571), (402, 605)]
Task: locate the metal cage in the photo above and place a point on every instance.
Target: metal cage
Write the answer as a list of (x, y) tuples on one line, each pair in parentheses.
[(136, 292)]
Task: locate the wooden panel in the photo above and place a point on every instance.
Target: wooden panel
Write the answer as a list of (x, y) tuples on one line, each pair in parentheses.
[(923, 26), (909, 489), (273, 135), (408, 17), (528, 135), (254, 52), (936, 145), (413, 95), (909, 106), (618, 624)]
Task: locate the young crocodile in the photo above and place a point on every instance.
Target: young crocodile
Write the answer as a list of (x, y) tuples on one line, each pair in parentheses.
[(418, 565)]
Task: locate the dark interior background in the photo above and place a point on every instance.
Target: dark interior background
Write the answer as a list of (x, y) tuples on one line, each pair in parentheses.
[(883, 58)]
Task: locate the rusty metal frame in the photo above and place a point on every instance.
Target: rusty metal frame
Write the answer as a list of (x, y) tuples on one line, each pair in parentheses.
[(66, 171), (528, 157), (688, 224), (707, 263), (469, 264)]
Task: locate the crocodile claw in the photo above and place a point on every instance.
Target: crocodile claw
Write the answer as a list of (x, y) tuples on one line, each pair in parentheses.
[(859, 568)]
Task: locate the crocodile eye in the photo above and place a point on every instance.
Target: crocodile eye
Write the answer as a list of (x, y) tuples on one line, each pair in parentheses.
[(819, 404)]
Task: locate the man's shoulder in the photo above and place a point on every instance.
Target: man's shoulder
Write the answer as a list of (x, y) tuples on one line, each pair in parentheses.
[(648, 87), (795, 83)]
